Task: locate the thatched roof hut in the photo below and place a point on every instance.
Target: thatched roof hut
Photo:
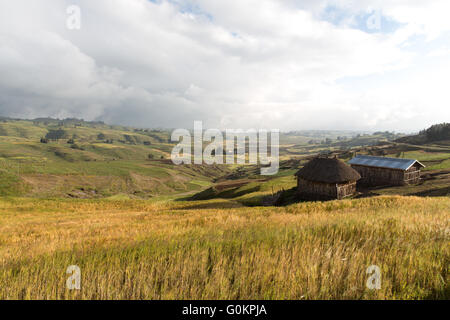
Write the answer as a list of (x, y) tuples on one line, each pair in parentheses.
[(326, 178)]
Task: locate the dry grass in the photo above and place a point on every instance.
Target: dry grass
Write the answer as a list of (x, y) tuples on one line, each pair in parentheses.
[(133, 249)]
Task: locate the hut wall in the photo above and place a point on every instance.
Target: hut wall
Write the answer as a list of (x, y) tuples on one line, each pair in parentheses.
[(374, 176), (346, 189), (317, 189), (320, 190)]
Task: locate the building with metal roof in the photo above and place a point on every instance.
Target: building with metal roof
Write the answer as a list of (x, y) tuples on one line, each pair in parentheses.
[(384, 162), (380, 171)]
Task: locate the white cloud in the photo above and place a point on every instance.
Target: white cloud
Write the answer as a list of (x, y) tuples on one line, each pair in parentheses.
[(262, 63)]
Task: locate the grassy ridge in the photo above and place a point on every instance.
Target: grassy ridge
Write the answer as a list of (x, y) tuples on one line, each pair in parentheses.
[(134, 249)]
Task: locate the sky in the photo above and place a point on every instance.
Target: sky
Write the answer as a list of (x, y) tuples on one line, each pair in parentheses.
[(262, 64)]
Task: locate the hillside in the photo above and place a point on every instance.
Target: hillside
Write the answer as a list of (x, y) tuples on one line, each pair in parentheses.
[(72, 158), (78, 159), (438, 133)]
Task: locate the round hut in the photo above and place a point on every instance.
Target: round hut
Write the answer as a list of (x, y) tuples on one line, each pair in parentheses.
[(325, 179)]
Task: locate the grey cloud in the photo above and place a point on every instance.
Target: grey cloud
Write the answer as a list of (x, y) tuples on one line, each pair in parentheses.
[(262, 63)]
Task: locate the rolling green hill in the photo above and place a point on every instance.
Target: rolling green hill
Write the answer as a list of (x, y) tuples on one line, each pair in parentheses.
[(79, 159), (73, 158)]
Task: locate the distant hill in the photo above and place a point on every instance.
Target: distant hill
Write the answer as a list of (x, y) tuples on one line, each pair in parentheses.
[(435, 133), (74, 158)]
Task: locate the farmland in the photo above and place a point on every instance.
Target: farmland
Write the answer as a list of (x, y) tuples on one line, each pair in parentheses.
[(219, 249), (109, 200)]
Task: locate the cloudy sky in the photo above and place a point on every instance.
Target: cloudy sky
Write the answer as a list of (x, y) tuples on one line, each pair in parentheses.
[(286, 64)]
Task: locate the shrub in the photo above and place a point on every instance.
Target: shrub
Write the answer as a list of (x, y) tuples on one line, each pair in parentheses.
[(55, 134), (101, 136), (76, 147)]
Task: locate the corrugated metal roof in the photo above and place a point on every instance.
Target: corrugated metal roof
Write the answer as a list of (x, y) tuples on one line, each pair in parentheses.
[(383, 162)]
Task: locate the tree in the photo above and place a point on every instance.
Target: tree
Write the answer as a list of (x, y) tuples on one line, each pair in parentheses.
[(55, 134), (437, 132), (150, 156), (101, 136)]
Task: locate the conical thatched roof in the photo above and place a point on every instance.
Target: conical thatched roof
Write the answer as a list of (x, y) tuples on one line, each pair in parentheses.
[(328, 170)]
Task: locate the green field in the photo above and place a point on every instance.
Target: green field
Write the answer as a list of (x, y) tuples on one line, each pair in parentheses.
[(125, 161)]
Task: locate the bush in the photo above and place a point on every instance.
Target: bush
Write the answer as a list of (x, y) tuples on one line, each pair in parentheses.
[(76, 147), (55, 134), (101, 136)]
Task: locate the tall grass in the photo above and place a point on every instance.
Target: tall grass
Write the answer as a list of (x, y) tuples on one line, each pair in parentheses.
[(132, 249)]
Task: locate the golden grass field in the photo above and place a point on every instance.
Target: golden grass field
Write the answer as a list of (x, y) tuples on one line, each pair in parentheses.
[(138, 249)]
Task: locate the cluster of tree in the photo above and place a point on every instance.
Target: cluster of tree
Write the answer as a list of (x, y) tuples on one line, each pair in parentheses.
[(437, 132), (129, 139), (101, 136), (55, 134)]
